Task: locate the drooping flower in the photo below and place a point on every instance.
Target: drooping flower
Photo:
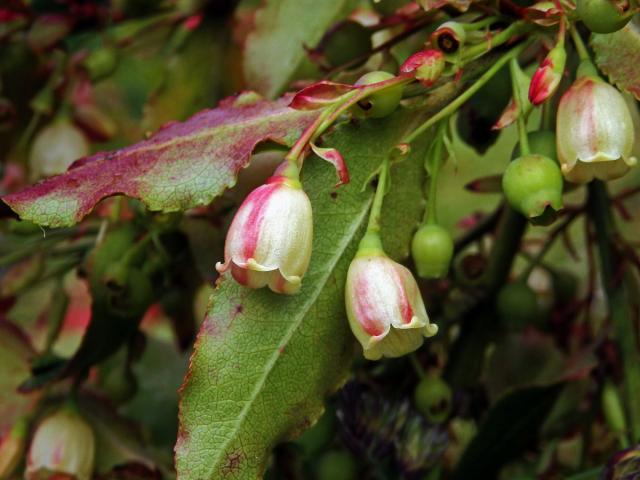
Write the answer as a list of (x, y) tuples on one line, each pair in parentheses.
[(384, 305), (595, 133), (269, 241), (63, 443)]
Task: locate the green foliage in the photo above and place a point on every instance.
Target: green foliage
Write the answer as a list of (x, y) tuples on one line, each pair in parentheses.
[(275, 49)]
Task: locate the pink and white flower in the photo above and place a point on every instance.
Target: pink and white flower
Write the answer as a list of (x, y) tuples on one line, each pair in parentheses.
[(63, 443), (595, 133), (385, 309), (269, 241)]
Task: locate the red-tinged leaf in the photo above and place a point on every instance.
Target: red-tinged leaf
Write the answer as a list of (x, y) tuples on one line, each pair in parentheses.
[(182, 166), (618, 55), (319, 95), (334, 157), (489, 184)]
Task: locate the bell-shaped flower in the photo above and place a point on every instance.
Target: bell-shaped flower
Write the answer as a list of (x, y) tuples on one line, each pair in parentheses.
[(63, 443), (269, 240), (384, 305), (595, 133)]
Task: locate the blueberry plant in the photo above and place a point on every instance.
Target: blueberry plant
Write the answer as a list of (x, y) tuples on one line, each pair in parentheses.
[(337, 239)]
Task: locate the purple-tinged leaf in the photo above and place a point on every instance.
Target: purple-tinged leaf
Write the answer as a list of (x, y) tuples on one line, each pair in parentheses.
[(182, 166), (319, 95), (334, 157)]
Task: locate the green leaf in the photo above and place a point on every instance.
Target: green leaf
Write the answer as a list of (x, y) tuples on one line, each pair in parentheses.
[(283, 28), (264, 362), (510, 427), (618, 55), (182, 166), (15, 354)]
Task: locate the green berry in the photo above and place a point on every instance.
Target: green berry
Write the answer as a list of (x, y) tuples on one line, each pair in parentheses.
[(533, 187), (345, 42), (382, 103), (517, 305), (432, 250), (432, 398), (602, 16), (336, 465), (101, 62)]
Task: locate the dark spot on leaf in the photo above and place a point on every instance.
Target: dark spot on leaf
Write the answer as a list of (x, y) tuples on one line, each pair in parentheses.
[(232, 463), (333, 195), (239, 309)]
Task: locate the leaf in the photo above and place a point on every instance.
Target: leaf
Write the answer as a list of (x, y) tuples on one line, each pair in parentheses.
[(15, 354), (182, 166), (264, 362), (276, 48), (618, 55), (159, 373), (118, 440), (509, 428), (319, 95)]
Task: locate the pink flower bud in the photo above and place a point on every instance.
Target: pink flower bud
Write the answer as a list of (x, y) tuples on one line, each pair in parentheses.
[(547, 77), (428, 65), (269, 241), (385, 309), (595, 134), (12, 444), (63, 443)]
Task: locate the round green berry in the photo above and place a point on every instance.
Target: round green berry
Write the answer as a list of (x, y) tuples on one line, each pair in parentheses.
[(379, 104), (432, 250), (517, 305), (432, 398), (533, 187), (602, 16)]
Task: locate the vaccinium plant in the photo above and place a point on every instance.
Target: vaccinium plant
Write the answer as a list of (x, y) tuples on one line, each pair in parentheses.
[(337, 239)]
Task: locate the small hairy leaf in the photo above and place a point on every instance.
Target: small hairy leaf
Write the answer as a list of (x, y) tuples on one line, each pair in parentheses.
[(182, 166), (263, 363), (618, 55)]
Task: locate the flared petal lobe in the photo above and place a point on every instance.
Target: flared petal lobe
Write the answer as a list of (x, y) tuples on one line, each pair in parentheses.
[(385, 309), (595, 133), (269, 240)]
